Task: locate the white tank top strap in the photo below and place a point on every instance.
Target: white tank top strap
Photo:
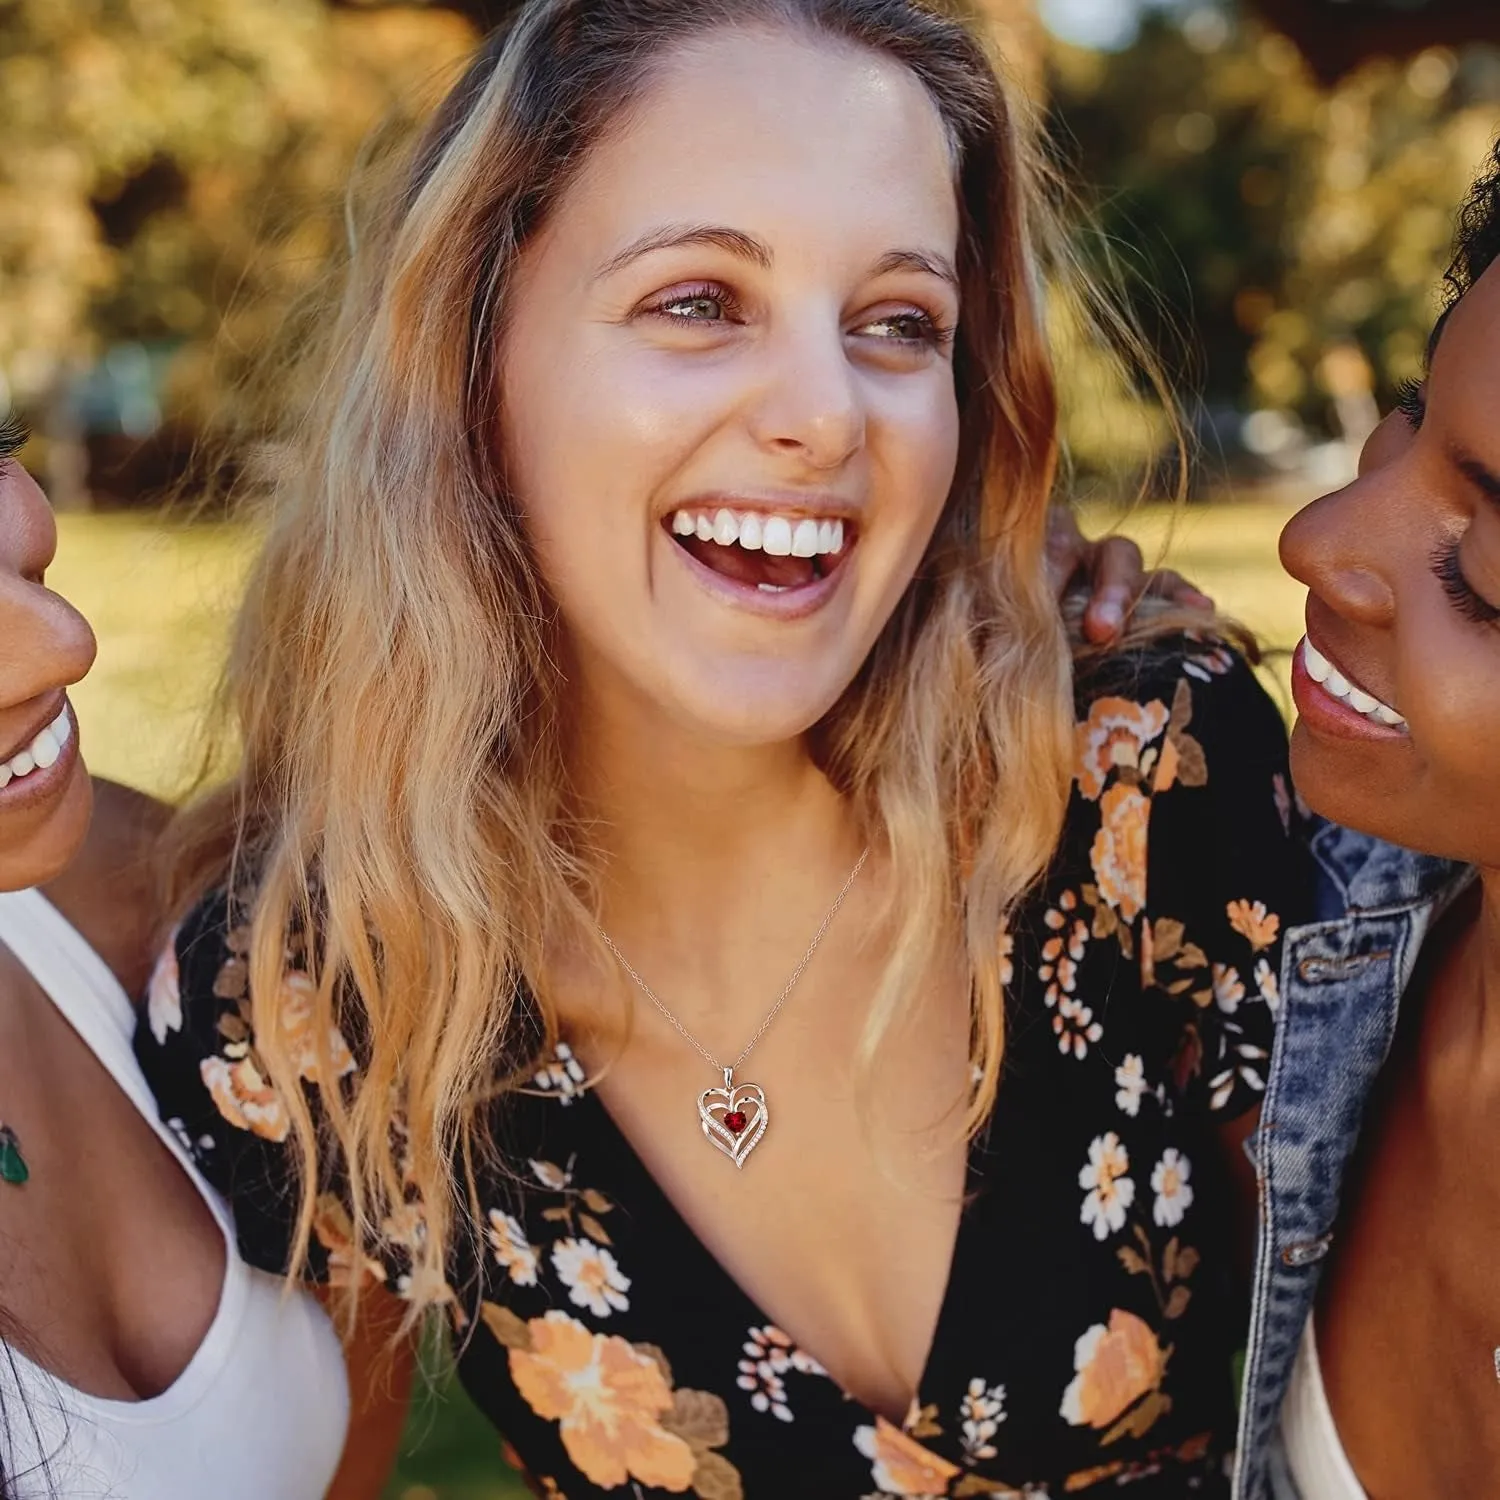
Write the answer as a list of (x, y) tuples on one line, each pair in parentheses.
[(1314, 1451)]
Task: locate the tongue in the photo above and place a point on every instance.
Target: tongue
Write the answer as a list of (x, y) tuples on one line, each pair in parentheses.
[(752, 568)]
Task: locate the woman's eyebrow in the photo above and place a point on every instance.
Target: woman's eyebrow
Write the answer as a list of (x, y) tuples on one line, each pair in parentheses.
[(1479, 474), (673, 236), (917, 260)]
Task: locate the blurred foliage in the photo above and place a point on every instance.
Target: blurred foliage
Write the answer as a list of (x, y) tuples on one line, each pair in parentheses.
[(1284, 240), (171, 170)]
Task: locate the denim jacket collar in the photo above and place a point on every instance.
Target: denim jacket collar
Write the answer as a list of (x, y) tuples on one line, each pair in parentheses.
[(1342, 980), (1363, 875)]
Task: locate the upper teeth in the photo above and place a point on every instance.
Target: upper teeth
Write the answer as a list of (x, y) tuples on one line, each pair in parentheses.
[(1333, 682), (41, 752), (781, 536)]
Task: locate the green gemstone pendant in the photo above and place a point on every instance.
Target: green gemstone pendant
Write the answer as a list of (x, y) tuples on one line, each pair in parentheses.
[(13, 1166)]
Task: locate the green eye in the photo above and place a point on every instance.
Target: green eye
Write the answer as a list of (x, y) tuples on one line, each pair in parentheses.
[(700, 308)]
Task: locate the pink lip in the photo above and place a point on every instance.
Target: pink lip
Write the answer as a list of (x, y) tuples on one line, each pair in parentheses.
[(793, 604), (1326, 715), (40, 785)]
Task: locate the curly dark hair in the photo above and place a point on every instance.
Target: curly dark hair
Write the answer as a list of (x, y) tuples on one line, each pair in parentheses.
[(1478, 244)]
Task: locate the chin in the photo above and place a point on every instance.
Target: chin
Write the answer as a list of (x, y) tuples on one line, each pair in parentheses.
[(36, 847), (745, 710)]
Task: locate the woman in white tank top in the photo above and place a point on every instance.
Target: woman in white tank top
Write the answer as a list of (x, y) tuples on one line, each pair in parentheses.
[(142, 1359)]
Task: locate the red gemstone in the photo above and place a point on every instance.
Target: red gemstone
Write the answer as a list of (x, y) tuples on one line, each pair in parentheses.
[(735, 1120)]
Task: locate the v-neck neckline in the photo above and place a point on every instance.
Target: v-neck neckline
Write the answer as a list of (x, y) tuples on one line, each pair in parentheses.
[(943, 1332)]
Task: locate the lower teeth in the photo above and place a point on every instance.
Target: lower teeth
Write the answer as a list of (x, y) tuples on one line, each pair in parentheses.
[(772, 588)]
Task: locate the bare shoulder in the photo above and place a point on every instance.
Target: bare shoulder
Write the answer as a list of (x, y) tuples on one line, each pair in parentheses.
[(110, 892)]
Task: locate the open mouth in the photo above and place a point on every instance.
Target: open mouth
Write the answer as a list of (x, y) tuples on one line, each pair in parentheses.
[(770, 553)]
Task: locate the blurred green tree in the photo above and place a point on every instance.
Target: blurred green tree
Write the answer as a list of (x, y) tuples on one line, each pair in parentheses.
[(171, 170), (1289, 237)]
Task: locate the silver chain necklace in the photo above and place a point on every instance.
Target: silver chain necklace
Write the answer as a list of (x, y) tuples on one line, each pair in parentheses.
[(734, 1117)]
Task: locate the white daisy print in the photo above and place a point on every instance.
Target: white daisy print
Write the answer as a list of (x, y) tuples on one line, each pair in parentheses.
[(563, 1077), (1130, 1083), (512, 1249), (1228, 988), (769, 1356), (1075, 1026), (981, 1412), (1265, 982), (592, 1276), (1109, 1191), (1170, 1184), (163, 997)]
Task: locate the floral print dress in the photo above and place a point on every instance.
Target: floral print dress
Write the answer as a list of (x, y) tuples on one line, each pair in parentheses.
[(1087, 1334)]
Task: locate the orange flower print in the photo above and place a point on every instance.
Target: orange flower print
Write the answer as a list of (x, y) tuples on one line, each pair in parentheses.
[(244, 1097), (1167, 767), (1119, 851), (298, 1024), (163, 997), (512, 1249), (1114, 735), (1116, 1366), (900, 1464), (335, 1233), (1254, 923), (608, 1401)]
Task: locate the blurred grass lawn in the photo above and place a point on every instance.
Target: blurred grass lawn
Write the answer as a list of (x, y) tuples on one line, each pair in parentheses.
[(160, 597)]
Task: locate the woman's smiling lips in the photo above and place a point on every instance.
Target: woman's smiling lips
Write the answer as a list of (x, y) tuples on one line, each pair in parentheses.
[(775, 557), (40, 764), (1332, 703)]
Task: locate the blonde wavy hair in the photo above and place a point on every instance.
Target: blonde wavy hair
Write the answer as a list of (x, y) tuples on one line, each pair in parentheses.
[(402, 793)]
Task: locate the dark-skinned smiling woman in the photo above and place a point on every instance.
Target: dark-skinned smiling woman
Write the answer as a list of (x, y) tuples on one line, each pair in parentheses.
[(1375, 1349)]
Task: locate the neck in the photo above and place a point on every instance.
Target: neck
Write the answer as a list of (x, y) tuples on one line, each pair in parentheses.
[(718, 862)]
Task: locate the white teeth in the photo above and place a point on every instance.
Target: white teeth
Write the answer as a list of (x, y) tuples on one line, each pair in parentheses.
[(805, 539), (789, 536), (777, 536), (1318, 666), (42, 752), (1336, 685)]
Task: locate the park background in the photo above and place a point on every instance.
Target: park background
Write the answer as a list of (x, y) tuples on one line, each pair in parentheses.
[(1273, 183)]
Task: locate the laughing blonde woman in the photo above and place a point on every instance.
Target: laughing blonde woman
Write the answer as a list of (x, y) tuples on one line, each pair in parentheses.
[(673, 914)]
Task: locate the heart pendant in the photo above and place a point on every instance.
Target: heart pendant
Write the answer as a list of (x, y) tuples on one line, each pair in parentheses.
[(734, 1117)]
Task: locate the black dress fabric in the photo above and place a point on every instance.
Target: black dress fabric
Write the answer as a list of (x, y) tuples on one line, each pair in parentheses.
[(1088, 1330)]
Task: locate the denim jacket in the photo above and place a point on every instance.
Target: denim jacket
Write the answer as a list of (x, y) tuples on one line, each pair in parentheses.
[(1342, 979)]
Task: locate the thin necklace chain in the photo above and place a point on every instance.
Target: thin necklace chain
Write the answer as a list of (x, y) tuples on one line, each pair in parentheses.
[(781, 999)]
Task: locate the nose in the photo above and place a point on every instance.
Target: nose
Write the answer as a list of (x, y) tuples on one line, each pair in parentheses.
[(45, 643), (810, 406), (1339, 546)]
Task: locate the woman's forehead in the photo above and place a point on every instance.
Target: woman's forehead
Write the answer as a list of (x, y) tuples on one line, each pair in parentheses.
[(780, 127)]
